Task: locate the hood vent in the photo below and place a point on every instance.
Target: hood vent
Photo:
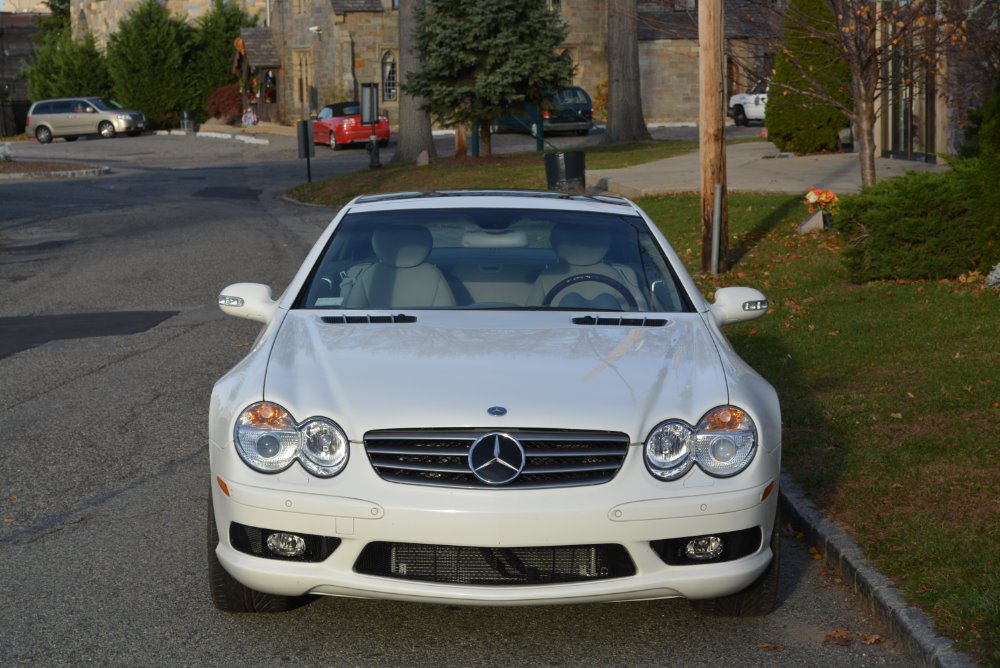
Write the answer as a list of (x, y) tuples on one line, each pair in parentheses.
[(398, 318), (620, 322)]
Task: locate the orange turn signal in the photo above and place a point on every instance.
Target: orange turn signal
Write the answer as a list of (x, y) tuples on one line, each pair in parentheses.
[(224, 487), (766, 493)]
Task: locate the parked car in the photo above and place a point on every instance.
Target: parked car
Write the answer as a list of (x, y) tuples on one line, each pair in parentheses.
[(493, 398), (339, 124), (73, 117), (749, 106), (565, 110)]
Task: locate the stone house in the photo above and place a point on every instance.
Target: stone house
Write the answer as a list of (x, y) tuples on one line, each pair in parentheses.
[(17, 45)]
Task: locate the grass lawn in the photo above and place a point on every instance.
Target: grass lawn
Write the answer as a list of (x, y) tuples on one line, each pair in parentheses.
[(890, 391)]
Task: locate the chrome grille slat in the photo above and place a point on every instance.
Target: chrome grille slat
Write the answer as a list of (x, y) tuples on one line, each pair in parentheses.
[(439, 457)]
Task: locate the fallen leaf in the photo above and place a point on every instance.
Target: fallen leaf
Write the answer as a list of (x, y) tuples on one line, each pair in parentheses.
[(815, 554), (870, 638), (838, 636), (772, 646), (898, 416), (835, 332)]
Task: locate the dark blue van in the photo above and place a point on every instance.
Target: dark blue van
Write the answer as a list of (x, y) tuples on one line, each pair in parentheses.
[(568, 109)]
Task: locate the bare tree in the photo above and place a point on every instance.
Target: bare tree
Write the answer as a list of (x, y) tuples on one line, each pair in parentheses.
[(883, 44), (625, 119), (414, 123)]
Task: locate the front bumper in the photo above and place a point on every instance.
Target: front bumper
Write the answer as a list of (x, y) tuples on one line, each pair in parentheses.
[(129, 124), (491, 519)]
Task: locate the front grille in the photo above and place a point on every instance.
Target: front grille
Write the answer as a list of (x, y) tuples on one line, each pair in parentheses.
[(553, 458), (495, 566)]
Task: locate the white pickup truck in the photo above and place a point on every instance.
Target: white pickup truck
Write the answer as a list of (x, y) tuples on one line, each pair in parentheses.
[(749, 106)]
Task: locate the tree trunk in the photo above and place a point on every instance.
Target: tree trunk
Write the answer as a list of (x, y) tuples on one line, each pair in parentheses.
[(461, 147), (485, 141), (625, 119), (414, 124), (865, 125)]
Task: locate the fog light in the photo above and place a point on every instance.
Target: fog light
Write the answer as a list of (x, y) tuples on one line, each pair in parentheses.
[(286, 544), (704, 548)]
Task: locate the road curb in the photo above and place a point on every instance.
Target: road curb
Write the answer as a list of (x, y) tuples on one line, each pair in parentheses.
[(19, 176), (910, 624)]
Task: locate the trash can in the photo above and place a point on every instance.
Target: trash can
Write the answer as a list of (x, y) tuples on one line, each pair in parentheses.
[(565, 171), (187, 121)]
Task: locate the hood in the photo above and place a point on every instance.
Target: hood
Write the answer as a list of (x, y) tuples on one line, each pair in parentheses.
[(447, 368)]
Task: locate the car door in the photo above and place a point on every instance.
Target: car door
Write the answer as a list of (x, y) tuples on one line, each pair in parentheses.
[(321, 126)]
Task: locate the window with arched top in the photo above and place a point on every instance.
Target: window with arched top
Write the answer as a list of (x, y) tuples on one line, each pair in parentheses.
[(390, 81)]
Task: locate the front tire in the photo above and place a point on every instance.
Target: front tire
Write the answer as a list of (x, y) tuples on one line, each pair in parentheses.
[(70, 138), (107, 129), (756, 600), (740, 116), (228, 594), (43, 135)]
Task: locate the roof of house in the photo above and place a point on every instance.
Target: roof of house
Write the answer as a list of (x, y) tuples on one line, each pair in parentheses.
[(659, 20), (260, 47), (345, 6)]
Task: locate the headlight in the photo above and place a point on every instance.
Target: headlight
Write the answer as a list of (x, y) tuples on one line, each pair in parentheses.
[(668, 450), (723, 444), (268, 440)]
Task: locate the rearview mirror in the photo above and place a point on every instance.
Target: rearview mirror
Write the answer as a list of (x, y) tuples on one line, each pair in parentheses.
[(738, 305), (248, 300)]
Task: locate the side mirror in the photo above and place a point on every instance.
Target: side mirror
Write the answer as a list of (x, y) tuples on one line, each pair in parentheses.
[(737, 305), (248, 300)]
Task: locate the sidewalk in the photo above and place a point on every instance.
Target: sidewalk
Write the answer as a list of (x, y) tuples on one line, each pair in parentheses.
[(752, 166)]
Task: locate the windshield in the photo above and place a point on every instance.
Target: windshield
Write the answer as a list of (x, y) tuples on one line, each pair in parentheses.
[(493, 259), (105, 105)]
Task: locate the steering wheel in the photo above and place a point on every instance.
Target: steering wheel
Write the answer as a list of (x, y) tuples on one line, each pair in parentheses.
[(594, 278)]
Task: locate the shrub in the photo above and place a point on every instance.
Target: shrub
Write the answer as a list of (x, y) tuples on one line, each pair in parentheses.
[(988, 205), (225, 103), (797, 122), (921, 225)]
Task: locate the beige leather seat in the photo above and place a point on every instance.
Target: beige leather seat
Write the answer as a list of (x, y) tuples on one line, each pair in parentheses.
[(581, 250), (400, 278)]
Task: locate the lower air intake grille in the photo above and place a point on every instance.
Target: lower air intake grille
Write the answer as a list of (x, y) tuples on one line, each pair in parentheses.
[(552, 457), (495, 566)]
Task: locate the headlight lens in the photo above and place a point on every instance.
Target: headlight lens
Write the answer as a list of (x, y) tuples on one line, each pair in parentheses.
[(722, 444), (268, 440), (668, 450), (726, 441)]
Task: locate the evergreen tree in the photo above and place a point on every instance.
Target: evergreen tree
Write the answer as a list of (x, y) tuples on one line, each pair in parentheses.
[(212, 48), (63, 67), (795, 121), (56, 21), (147, 59), (480, 58)]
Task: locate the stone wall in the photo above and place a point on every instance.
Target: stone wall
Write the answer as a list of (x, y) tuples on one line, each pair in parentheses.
[(669, 73), (101, 17)]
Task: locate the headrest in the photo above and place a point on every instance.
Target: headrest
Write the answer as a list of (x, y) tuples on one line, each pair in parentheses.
[(402, 246), (580, 245)]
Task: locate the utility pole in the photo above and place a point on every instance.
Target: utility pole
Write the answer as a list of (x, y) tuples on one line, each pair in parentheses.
[(712, 133)]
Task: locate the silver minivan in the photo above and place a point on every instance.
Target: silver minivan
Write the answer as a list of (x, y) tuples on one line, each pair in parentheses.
[(72, 117)]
